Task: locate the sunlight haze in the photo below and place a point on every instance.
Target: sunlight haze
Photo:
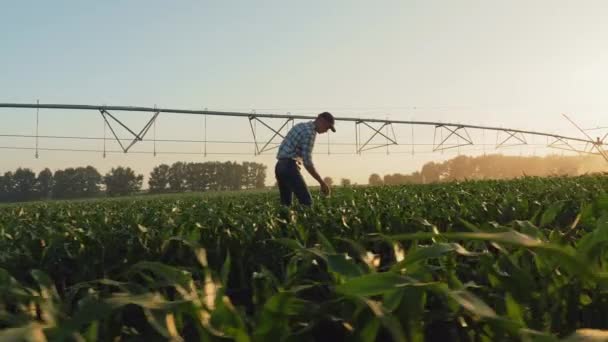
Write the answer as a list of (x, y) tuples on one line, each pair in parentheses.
[(516, 64)]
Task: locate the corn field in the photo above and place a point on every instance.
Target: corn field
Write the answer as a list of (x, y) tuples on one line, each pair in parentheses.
[(524, 259)]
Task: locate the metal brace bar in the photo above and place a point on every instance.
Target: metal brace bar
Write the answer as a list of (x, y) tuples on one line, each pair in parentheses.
[(449, 147), (511, 135), (356, 139), (275, 134), (368, 140), (571, 148), (469, 141), (143, 131), (255, 140), (103, 114), (120, 123), (601, 151), (375, 147), (270, 128), (467, 132), (378, 131), (596, 144), (452, 132)]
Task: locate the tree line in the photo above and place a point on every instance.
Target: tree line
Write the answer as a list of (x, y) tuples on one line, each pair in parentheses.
[(214, 176), (494, 166), (82, 182)]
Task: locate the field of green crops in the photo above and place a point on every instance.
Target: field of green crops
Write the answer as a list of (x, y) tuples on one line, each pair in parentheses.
[(475, 261)]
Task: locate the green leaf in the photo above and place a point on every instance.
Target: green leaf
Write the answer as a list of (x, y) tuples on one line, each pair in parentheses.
[(602, 202), (325, 244), (472, 303), (91, 310), (369, 330), (390, 322), (372, 284), (514, 310), (287, 304), (273, 321), (340, 264), (227, 319), (550, 214), (171, 275), (290, 243), (225, 273), (564, 254), (585, 299), (434, 251)]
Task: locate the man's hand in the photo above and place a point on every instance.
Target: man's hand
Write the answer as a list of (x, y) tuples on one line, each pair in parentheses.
[(325, 189)]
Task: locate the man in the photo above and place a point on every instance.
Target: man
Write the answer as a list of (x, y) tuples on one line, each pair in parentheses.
[(296, 146)]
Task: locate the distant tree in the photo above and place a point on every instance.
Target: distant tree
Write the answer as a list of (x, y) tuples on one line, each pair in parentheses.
[(253, 175), (159, 179), (208, 176), (62, 187), (259, 175), (248, 175), (24, 185), (196, 178), (76, 182), (431, 172), (375, 179), (4, 188), (461, 167), (212, 172), (390, 179), (177, 177), (328, 181), (231, 175), (345, 182), (91, 180), (122, 181), (44, 183)]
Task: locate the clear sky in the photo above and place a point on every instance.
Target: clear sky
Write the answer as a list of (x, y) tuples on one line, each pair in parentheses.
[(513, 63)]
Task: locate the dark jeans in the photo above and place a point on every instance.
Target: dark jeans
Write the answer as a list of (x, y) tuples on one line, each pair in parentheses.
[(290, 181)]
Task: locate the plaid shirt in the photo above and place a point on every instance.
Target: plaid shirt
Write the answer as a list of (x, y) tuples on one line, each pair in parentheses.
[(299, 143)]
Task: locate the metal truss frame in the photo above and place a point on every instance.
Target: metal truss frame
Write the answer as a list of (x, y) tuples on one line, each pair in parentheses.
[(452, 132), (361, 147), (511, 135), (136, 136), (459, 131), (277, 132), (590, 145)]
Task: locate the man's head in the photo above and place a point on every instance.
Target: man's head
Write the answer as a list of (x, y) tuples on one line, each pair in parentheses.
[(323, 122)]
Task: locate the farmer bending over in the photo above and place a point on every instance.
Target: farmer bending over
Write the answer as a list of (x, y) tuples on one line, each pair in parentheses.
[(297, 146)]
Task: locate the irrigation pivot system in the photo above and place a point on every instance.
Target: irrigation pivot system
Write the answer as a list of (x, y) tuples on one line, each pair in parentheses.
[(372, 127)]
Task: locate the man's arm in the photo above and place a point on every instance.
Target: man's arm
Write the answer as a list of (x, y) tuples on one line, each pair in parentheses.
[(307, 159), (313, 172)]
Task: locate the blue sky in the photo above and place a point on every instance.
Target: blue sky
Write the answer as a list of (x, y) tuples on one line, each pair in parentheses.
[(505, 63)]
